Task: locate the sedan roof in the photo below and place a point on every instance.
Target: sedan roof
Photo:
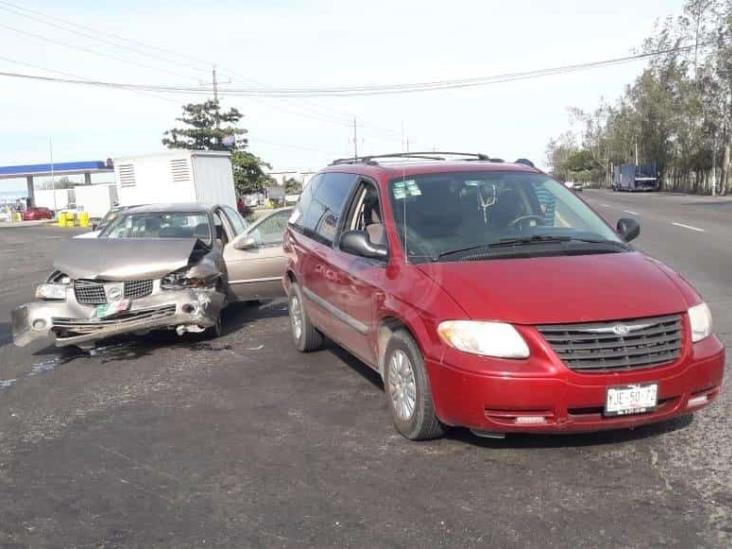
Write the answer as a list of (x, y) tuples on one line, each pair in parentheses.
[(188, 207)]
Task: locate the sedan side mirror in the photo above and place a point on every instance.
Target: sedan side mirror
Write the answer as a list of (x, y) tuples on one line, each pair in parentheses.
[(358, 243), (628, 228), (246, 242)]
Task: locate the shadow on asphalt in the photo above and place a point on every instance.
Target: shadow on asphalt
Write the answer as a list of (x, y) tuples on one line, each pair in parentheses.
[(517, 441)]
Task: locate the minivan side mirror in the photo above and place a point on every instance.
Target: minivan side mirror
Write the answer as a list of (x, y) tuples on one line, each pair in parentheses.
[(358, 243), (628, 228)]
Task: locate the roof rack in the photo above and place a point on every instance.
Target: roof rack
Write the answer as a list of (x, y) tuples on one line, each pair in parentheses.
[(428, 155)]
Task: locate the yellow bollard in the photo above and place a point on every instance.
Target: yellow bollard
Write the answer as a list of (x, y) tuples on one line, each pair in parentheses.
[(62, 219), (83, 219), (70, 219), (17, 217)]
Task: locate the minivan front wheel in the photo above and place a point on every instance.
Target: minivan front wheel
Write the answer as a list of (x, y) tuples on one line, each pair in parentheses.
[(304, 335), (408, 390)]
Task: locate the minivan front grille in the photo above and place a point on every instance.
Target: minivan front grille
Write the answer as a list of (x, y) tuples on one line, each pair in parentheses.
[(616, 345)]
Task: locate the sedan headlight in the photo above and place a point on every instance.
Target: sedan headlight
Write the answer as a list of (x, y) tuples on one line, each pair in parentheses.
[(51, 291), (700, 319), (496, 339)]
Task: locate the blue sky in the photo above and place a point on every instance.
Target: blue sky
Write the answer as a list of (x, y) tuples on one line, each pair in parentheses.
[(315, 43)]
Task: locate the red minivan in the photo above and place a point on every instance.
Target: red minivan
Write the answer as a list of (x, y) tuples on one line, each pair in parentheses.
[(489, 296)]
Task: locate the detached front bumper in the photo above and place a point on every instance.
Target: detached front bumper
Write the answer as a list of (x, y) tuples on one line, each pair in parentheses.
[(70, 323)]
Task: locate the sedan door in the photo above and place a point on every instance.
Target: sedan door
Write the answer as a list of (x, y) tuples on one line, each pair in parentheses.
[(255, 260)]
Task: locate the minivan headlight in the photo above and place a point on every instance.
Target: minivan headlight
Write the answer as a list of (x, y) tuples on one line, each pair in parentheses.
[(700, 319), (486, 338)]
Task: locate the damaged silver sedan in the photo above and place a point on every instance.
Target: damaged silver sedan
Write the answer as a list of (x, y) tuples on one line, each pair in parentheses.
[(155, 267)]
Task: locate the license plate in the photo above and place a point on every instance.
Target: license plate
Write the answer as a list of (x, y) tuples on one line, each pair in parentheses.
[(111, 309), (631, 399)]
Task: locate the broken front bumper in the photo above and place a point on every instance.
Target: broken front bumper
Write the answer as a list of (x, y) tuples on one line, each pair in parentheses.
[(70, 323)]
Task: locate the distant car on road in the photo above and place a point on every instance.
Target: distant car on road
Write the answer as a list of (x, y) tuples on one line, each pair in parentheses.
[(573, 186), (37, 214)]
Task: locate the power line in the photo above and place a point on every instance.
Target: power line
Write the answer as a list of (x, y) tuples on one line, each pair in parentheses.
[(315, 112), (391, 89), (94, 52), (374, 90)]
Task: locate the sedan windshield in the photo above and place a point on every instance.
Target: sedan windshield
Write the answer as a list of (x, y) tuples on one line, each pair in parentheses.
[(160, 225), (483, 215)]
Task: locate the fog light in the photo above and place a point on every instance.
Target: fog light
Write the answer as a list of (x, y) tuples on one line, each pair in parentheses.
[(530, 420), (39, 324), (188, 308), (697, 401)]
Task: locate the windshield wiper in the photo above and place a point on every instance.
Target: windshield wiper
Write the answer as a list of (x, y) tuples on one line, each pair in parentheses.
[(541, 238), (527, 240)]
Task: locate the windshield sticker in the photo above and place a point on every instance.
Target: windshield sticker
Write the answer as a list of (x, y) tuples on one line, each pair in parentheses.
[(404, 189)]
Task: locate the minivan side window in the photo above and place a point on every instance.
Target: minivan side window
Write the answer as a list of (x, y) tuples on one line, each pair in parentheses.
[(321, 205)]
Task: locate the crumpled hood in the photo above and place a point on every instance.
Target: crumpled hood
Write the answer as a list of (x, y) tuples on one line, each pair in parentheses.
[(562, 289), (123, 259)]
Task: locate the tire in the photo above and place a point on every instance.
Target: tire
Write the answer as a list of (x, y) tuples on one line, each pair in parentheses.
[(418, 421), (304, 335)]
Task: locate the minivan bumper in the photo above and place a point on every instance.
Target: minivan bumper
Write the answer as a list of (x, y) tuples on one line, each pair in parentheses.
[(568, 401)]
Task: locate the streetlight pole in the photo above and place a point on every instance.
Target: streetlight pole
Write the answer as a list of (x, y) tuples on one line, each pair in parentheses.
[(53, 181)]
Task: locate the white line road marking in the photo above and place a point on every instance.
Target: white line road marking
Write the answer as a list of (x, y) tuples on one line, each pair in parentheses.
[(631, 212), (690, 227), (606, 205)]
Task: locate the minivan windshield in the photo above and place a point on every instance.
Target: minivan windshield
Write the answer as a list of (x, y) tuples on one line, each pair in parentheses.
[(160, 225), (484, 215)]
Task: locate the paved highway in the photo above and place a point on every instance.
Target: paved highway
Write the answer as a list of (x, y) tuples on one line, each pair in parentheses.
[(244, 442)]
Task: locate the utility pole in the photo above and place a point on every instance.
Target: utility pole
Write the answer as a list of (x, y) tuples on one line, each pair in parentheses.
[(355, 139), (53, 181)]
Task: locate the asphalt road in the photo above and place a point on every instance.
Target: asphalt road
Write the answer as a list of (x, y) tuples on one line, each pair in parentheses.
[(243, 442)]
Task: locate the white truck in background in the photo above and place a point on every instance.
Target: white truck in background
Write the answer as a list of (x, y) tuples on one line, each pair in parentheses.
[(178, 175)]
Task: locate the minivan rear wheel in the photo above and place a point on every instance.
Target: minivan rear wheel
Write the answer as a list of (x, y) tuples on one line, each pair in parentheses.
[(408, 390), (305, 336)]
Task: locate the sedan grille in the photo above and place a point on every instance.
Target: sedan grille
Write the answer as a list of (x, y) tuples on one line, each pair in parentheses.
[(92, 292), (138, 288), (638, 343), (89, 292)]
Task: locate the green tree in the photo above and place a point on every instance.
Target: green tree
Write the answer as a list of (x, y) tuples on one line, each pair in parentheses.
[(677, 113), (292, 186), (249, 174), (209, 128), (205, 131)]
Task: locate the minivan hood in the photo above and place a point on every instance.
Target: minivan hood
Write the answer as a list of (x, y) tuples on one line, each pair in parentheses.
[(562, 289), (123, 258)]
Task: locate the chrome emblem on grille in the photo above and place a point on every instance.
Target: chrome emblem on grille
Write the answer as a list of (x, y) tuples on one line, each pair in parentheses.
[(621, 329), (114, 293)]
